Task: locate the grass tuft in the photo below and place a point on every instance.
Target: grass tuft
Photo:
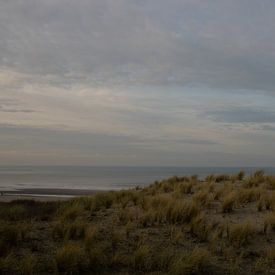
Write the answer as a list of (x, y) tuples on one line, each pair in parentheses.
[(228, 202), (240, 234), (70, 230), (27, 265), (71, 258), (269, 222), (142, 258), (196, 262)]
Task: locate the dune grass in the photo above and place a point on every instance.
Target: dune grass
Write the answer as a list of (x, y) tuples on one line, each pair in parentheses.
[(181, 225), (196, 262)]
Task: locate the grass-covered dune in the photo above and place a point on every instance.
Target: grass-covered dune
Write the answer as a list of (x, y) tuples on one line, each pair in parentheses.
[(222, 225)]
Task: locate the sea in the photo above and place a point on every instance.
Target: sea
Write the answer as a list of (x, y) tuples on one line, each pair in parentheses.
[(102, 178)]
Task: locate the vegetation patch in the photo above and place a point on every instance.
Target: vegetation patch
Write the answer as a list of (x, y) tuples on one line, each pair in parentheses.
[(182, 225)]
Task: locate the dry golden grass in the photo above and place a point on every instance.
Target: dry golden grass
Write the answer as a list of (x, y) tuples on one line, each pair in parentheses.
[(270, 182), (196, 262), (27, 265), (266, 201), (179, 212), (255, 180), (154, 230), (222, 178), (186, 187), (142, 258), (269, 222), (91, 236), (200, 228), (71, 211), (176, 234), (71, 258), (203, 197), (249, 195), (241, 234), (117, 236), (97, 259), (228, 202), (163, 260), (70, 230)]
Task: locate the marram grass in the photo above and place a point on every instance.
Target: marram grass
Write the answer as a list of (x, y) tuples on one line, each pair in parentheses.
[(223, 224)]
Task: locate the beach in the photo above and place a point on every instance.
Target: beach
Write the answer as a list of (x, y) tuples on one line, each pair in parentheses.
[(44, 194)]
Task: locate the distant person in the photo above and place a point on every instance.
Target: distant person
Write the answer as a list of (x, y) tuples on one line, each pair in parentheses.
[(2, 193)]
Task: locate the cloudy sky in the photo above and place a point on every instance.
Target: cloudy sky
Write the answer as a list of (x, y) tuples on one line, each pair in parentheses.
[(137, 82)]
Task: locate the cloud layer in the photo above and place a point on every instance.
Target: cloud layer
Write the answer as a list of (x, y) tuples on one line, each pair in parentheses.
[(137, 82)]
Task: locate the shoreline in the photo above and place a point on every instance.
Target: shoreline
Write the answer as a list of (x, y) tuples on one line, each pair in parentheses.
[(45, 194)]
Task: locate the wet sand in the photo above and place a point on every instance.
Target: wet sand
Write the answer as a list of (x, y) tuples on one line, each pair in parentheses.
[(44, 194)]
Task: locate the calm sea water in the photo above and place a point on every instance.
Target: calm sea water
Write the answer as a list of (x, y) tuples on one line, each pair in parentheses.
[(100, 178)]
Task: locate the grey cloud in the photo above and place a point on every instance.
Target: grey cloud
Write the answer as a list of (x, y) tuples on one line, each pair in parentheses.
[(16, 110), (84, 139), (153, 80), (200, 141), (194, 141), (267, 128), (241, 115), (35, 138), (73, 147), (107, 42)]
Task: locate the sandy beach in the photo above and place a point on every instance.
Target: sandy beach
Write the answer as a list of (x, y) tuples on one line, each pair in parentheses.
[(45, 194)]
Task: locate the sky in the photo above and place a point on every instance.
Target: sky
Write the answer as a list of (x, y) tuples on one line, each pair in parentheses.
[(137, 82)]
